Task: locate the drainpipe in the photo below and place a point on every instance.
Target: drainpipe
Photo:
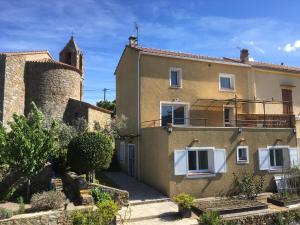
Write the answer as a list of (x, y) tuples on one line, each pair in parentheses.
[(138, 115)]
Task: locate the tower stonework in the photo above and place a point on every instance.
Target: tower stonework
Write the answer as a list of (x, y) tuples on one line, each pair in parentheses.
[(73, 56)]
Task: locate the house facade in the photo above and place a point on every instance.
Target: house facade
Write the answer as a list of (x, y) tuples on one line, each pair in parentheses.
[(194, 120)]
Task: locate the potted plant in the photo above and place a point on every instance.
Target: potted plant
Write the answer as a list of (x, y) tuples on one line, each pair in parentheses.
[(185, 203)]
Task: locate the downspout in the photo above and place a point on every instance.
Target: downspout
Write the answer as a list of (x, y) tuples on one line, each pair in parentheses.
[(138, 115)]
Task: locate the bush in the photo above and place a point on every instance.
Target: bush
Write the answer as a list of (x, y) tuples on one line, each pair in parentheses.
[(5, 214), (47, 200), (21, 209), (108, 210), (103, 215), (249, 186), (100, 196), (90, 151), (184, 200), (210, 218)]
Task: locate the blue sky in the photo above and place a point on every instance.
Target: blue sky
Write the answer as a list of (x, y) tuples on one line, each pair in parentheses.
[(269, 28)]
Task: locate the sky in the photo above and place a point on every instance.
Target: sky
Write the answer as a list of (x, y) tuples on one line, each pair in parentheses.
[(270, 29)]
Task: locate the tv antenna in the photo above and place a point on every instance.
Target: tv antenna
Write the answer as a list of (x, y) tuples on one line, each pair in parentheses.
[(136, 28)]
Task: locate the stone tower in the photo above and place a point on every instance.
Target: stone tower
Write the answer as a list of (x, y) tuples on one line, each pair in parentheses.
[(73, 56)]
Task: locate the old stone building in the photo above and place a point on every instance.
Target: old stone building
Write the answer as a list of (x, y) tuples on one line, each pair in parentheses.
[(55, 87)]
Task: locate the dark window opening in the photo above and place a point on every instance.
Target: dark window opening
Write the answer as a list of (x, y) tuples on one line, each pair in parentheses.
[(69, 58)]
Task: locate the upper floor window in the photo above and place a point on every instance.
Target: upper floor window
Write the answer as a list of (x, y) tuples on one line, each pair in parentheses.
[(173, 114), (226, 82), (175, 77)]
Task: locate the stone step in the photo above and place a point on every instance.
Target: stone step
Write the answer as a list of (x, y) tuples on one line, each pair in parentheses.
[(150, 201), (149, 211)]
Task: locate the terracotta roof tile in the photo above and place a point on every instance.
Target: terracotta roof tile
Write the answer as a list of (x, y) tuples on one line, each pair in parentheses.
[(226, 60), (26, 52)]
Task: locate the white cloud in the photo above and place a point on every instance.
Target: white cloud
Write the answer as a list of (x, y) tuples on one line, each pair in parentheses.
[(291, 47), (251, 59)]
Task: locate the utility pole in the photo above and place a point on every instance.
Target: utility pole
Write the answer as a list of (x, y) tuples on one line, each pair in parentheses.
[(104, 93)]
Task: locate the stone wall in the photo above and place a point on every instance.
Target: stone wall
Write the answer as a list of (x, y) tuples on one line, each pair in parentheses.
[(56, 217), (51, 85), (14, 87), (96, 117)]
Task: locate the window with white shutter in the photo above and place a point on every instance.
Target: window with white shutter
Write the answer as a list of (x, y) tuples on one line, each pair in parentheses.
[(294, 157), (180, 162), (220, 160), (264, 160), (122, 151)]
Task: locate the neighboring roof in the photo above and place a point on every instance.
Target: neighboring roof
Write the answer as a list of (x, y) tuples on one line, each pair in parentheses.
[(56, 63), (27, 53), (88, 105), (224, 60), (71, 45)]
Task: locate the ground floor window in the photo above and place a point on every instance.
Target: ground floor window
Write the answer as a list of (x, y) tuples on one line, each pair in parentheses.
[(242, 154), (198, 160), (276, 157), (173, 114)]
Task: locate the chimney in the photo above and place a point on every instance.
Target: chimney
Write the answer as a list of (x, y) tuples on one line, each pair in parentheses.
[(244, 57), (133, 41)]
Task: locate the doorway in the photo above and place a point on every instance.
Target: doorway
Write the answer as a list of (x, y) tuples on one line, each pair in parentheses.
[(228, 116), (287, 98), (131, 160)]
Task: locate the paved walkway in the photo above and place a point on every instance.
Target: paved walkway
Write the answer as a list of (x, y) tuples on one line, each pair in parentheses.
[(154, 214), (139, 193)]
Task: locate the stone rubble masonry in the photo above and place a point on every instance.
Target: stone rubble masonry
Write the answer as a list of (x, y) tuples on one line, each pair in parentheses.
[(50, 86), (32, 77), (54, 217), (14, 86)]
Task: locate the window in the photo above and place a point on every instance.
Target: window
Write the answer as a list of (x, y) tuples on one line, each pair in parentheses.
[(122, 151), (276, 157), (226, 82), (198, 160), (173, 114), (242, 154), (175, 77)]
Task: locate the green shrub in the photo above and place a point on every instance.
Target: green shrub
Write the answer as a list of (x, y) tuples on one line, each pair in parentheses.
[(210, 218), (21, 203), (248, 185), (5, 213), (184, 200), (108, 210), (103, 215), (90, 151), (47, 200), (279, 219), (100, 196)]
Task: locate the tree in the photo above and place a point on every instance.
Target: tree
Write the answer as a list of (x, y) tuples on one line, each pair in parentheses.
[(90, 151), (110, 105), (28, 144)]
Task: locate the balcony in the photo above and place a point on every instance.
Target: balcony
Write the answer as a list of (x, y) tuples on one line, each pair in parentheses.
[(226, 113)]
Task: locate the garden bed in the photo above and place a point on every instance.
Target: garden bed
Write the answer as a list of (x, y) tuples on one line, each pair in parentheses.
[(284, 199), (227, 206)]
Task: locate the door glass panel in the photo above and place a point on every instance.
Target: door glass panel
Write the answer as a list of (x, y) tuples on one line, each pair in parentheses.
[(203, 160), (166, 115), (272, 161), (279, 157), (179, 115), (192, 160)]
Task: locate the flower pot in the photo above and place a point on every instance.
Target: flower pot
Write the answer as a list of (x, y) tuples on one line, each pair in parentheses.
[(184, 212)]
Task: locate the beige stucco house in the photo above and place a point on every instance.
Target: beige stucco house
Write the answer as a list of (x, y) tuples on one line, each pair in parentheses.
[(195, 120)]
